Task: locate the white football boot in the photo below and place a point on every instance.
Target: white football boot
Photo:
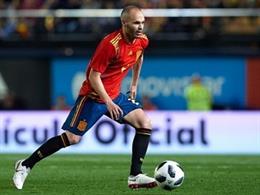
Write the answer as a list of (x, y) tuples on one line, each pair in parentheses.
[(20, 174), (141, 181)]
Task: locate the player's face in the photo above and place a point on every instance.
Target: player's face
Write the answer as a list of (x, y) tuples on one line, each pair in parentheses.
[(134, 25)]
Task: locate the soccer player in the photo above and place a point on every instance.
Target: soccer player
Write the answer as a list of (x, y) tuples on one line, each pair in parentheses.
[(116, 54)]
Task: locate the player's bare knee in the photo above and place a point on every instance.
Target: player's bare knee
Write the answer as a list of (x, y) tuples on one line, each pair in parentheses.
[(146, 123), (73, 139)]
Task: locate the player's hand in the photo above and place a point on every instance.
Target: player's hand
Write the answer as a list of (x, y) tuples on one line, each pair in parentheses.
[(132, 92), (114, 110)]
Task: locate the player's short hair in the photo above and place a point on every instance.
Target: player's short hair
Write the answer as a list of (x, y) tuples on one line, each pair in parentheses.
[(127, 9)]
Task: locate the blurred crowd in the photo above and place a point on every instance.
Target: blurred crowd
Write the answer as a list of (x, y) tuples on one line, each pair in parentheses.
[(198, 27), (11, 101)]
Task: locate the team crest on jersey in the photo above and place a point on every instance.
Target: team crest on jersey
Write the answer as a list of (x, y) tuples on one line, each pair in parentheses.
[(82, 125)]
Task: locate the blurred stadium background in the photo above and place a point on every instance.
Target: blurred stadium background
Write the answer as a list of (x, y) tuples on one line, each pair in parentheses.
[(45, 46), (218, 39)]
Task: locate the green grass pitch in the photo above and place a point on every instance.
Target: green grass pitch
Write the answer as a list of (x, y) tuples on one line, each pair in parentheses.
[(107, 174)]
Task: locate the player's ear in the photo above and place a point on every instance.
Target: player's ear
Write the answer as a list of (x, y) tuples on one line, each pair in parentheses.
[(123, 22)]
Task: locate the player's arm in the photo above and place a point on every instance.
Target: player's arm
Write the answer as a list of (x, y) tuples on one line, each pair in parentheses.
[(96, 83), (135, 77)]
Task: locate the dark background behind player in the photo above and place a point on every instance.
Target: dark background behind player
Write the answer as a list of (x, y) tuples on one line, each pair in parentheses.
[(29, 46)]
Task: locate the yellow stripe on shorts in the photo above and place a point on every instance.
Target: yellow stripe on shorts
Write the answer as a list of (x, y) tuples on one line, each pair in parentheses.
[(78, 110)]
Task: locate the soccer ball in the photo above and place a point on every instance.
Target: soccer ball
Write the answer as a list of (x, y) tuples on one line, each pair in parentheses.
[(169, 175)]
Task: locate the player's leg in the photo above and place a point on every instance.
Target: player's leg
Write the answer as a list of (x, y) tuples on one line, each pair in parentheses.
[(138, 119), (81, 118), (51, 146), (135, 116), (24, 166), (54, 144)]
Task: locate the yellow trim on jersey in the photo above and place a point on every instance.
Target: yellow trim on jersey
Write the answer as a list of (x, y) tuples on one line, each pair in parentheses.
[(115, 41)]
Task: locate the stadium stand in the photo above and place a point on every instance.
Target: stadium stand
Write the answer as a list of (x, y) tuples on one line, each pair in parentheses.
[(228, 30)]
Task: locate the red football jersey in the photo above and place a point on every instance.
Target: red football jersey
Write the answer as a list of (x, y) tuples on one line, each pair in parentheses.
[(113, 58)]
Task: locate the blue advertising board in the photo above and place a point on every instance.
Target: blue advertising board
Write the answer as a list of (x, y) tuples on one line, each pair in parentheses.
[(164, 79)]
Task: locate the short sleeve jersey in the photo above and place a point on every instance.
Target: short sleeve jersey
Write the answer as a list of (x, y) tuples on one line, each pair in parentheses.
[(113, 58)]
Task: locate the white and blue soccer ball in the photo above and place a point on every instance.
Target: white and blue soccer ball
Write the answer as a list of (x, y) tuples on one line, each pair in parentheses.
[(169, 175)]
